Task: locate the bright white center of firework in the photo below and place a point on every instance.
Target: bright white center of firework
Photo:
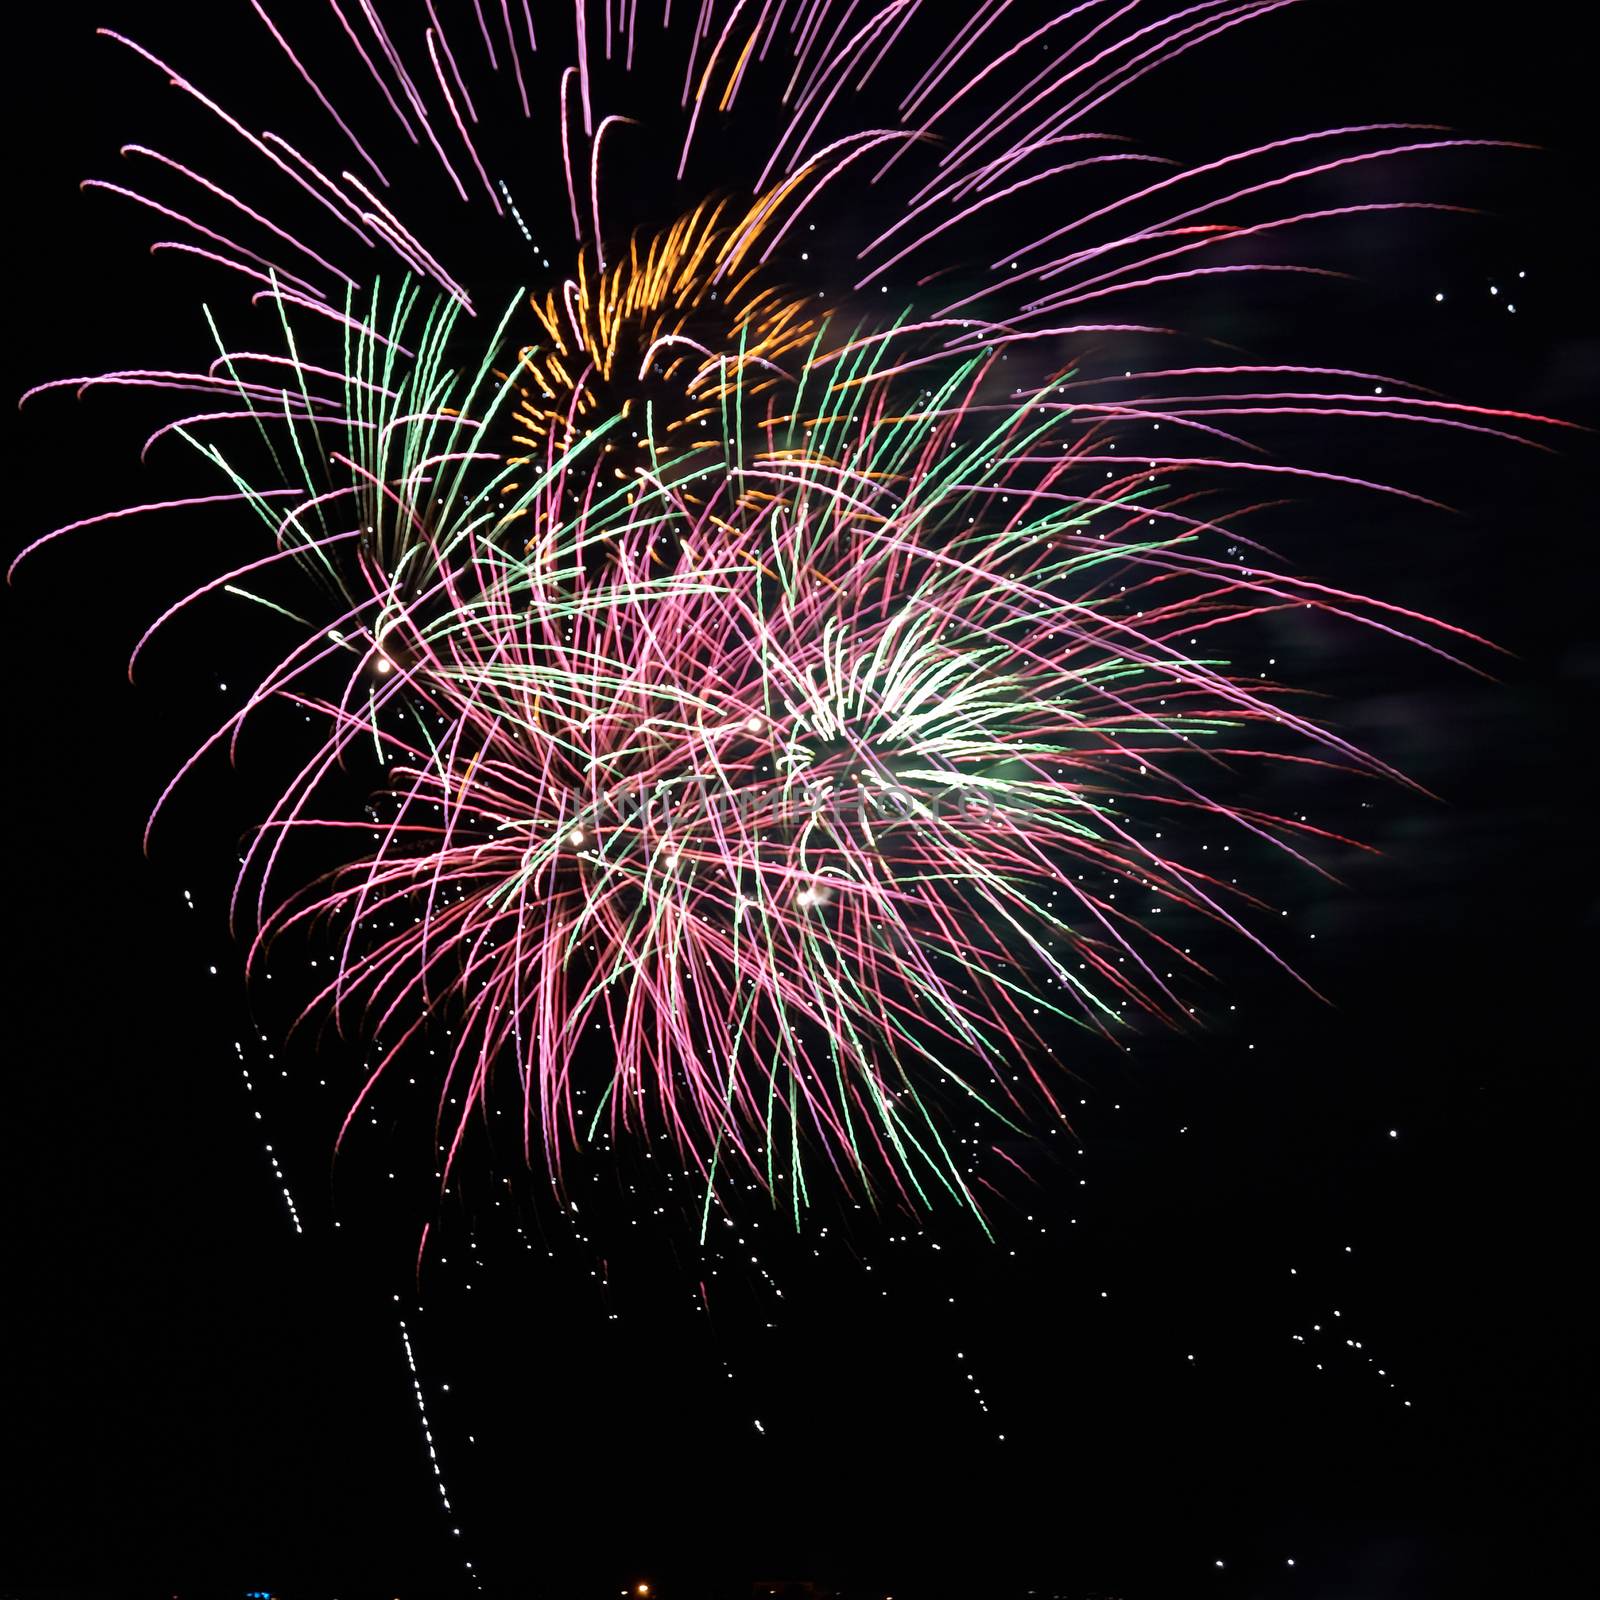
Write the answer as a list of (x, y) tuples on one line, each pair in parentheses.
[(384, 664), (754, 724), (576, 836)]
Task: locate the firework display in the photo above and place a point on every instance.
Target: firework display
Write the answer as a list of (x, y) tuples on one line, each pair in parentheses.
[(781, 619)]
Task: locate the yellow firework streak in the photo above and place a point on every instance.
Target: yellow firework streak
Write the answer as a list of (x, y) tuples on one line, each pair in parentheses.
[(682, 320)]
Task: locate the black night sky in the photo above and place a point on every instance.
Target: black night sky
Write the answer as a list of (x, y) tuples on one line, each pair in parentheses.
[(1162, 1379)]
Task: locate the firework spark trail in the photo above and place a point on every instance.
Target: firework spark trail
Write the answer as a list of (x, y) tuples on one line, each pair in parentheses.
[(812, 691), (428, 1440)]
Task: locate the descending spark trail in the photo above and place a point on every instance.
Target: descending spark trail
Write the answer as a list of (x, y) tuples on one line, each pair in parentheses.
[(427, 1435), (277, 1171)]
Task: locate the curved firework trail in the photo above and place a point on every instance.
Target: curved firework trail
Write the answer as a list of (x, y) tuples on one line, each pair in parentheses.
[(770, 629)]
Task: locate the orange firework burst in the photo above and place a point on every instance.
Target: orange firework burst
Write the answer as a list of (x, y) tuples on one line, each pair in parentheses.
[(678, 325)]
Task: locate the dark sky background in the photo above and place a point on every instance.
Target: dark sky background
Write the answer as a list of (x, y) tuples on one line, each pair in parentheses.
[(200, 1401)]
